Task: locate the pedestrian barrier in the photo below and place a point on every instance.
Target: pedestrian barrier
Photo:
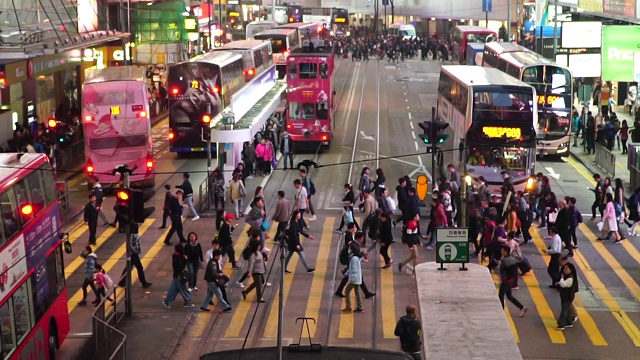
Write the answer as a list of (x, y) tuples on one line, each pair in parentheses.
[(605, 160), (71, 157), (107, 342), (633, 166), (204, 193)]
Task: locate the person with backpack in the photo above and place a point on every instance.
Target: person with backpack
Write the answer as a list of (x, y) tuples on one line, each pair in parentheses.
[(344, 260), (103, 282), (409, 330), (509, 274), (179, 279), (216, 280), (90, 262), (311, 190), (246, 254)]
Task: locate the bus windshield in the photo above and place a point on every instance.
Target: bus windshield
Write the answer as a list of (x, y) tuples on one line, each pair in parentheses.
[(547, 79), (553, 123), (278, 44), (502, 105), (478, 38), (511, 159)]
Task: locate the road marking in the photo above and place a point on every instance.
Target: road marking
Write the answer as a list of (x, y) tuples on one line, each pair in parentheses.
[(79, 261), (317, 284), (544, 311), (387, 299), (410, 119), (271, 328), (366, 137), (414, 135), (201, 320), (411, 123), (496, 281), (416, 144), (118, 255), (586, 320), (552, 173), (628, 281)]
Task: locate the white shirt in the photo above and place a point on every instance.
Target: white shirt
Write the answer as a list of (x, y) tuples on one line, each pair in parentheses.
[(208, 256), (302, 195), (556, 245)]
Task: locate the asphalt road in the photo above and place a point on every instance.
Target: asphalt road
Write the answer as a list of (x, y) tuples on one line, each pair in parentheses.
[(380, 107)]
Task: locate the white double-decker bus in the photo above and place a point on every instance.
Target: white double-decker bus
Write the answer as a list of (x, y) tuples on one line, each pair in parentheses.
[(554, 88), (493, 120)]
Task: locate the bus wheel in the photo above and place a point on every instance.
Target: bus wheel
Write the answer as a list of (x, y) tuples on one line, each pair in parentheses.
[(53, 340)]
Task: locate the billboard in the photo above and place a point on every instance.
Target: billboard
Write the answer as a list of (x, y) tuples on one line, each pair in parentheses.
[(585, 65), (620, 7), (595, 6), (581, 34), (619, 44)]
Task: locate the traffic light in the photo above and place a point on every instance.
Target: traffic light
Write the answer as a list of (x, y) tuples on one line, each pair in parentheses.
[(52, 124), (439, 127), (138, 212), (426, 132), (206, 119), (123, 209)]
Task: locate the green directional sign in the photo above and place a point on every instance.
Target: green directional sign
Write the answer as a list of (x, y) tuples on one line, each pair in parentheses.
[(452, 246)]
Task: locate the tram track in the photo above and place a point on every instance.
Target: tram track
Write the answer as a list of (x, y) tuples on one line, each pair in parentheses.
[(337, 274), (259, 318)]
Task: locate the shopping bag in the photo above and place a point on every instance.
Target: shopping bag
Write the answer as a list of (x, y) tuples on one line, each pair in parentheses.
[(274, 163), (553, 216), (600, 225), (524, 266)]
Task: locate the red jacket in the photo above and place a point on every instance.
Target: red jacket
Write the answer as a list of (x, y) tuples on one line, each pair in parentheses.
[(439, 217)]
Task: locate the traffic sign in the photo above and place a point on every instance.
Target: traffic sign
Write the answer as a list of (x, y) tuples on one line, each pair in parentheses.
[(452, 246), (228, 118)]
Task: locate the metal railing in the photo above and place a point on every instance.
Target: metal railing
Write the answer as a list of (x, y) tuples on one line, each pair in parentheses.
[(107, 342), (605, 160), (204, 193), (71, 157), (63, 194)]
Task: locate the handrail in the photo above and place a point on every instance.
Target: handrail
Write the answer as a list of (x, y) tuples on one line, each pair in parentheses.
[(107, 342), (605, 160)]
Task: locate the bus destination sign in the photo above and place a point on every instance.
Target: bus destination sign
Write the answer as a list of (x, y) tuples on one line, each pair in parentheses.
[(502, 132)]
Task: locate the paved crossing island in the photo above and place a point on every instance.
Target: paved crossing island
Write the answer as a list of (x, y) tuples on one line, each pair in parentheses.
[(461, 315)]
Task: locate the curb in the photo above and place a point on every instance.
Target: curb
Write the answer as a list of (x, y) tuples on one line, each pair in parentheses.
[(586, 164), (178, 334)]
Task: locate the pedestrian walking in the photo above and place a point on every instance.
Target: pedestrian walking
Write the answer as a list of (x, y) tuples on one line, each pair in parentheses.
[(409, 330), (281, 215), (257, 269), (302, 200), (179, 279), (576, 220), (237, 192), (89, 272), (136, 252), (166, 206), (287, 146), (348, 200), (564, 261), (555, 249), (567, 294), (225, 240), (311, 190), (386, 239), (216, 280), (218, 188), (91, 217), (176, 218), (365, 182), (294, 245), (410, 237), (634, 215), (352, 237), (103, 283), (598, 193), (97, 189), (195, 260), (354, 275), (509, 274), (188, 195)]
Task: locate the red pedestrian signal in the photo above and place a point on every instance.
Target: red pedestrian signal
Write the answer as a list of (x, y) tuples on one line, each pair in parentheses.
[(206, 119)]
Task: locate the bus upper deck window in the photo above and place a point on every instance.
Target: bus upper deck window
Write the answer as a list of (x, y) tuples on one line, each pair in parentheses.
[(308, 70), (324, 71), (293, 70)]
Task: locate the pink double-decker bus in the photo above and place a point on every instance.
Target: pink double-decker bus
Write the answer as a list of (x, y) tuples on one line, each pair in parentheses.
[(34, 317), (117, 128), (310, 94)]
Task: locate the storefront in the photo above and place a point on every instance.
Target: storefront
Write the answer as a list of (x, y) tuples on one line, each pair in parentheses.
[(621, 58)]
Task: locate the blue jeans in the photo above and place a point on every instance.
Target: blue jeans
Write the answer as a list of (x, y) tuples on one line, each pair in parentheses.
[(303, 259), (284, 159), (193, 268), (434, 238), (176, 287), (213, 289), (189, 201)]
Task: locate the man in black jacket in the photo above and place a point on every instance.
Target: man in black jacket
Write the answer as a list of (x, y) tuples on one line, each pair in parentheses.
[(563, 224), (165, 206), (176, 218), (188, 195), (91, 217), (409, 330)]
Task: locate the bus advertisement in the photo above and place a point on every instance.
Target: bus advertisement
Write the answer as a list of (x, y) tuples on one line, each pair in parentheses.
[(117, 128), (464, 35), (33, 296)]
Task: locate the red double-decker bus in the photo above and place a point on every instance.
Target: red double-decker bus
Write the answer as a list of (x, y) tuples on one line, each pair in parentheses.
[(34, 318), (310, 94)]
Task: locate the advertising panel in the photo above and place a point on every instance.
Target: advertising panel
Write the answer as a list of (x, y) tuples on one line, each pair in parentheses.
[(591, 5), (13, 262), (620, 7), (619, 43), (585, 65), (581, 34)]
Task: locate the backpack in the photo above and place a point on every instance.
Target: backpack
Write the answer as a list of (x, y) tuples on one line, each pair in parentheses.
[(108, 282), (311, 187), (344, 256), (246, 253)]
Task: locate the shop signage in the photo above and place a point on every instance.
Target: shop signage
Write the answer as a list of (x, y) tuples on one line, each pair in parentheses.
[(581, 34), (585, 65), (620, 7), (619, 44), (16, 72), (121, 55), (595, 6)]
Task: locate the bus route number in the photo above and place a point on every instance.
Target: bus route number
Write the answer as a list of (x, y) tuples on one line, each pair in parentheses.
[(115, 110), (195, 84), (499, 132), (547, 99)]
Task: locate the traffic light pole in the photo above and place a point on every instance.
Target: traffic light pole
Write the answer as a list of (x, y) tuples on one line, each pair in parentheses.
[(125, 172), (434, 149)]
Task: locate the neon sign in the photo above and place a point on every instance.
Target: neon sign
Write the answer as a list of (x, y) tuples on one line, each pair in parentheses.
[(502, 132)]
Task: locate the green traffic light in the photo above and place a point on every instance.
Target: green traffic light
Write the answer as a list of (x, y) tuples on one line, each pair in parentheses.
[(424, 139)]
